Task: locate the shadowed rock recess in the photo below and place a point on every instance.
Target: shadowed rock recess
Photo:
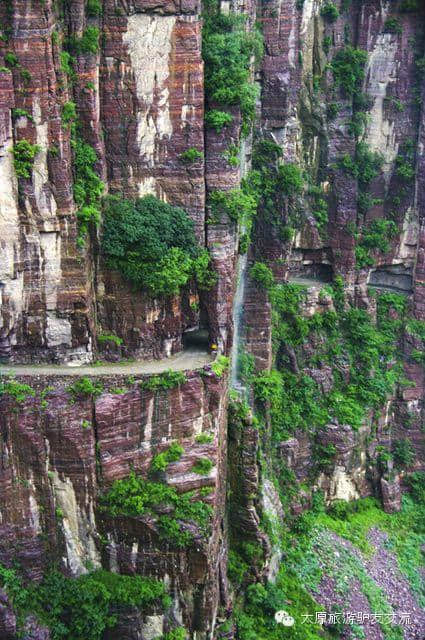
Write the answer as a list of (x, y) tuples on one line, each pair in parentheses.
[(212, 319)]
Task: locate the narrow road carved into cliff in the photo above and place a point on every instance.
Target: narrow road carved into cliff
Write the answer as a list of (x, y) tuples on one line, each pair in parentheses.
[(185, 360), (315, 282), (308, 282)]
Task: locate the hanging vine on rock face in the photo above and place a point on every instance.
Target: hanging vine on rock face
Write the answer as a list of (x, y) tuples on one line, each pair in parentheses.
[(227, 50), (88, 188), (276, 186)]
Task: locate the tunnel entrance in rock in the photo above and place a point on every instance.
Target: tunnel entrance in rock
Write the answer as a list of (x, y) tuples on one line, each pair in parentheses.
[(393, 277), (196, 337), (314, 272)]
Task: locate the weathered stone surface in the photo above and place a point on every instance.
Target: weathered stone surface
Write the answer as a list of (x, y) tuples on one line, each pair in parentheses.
[(45, 295), (7, 618), (140, 103), (139, 122), (391, 495), (58, 457)]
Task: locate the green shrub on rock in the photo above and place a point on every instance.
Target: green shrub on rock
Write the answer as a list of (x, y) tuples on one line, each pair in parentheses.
[(227, 50), (84, 387), (220, 365), (161, 461), (392, 25), (153, 245), (16, 390), (329, 11), (88, 43), (217, 119), (167, 380), (176, 634), (134, 497), (81, 608), (23, 157), (348, 68), (202, 466), (88, 187), (235, 203), (289, 179), (403, 453), (94, 8), (105, 338), (262, 275), (191, 155)]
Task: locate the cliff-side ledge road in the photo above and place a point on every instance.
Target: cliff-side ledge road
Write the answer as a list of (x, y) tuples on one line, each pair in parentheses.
[(187, 359)]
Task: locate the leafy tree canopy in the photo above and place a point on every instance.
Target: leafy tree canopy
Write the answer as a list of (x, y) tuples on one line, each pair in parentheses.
[(153, 245)]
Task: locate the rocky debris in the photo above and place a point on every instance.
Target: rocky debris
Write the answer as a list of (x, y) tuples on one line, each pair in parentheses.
[(328, 596), (7, 618), (323, 377), (383, 568), (34, 631)]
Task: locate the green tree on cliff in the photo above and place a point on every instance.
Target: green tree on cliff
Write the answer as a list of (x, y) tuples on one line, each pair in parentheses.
[(153, 245)]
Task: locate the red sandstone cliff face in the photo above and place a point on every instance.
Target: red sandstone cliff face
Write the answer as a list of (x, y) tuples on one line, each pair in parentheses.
[(140, 101), (296, 87), (58, 456), (140, 104)]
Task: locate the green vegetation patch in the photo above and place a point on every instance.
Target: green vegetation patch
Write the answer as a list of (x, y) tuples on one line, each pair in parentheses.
[(227, 50), (217, 119), (204, 438), (376, 236), (346, 340), (202, 466), (329, 11), (235, 203), (176, 634), (220, 365), (153, 245), (262, 274), (88, 43), (392, 25), (161, 461), (191, 155), (88, 187), (111, 338), (405, 530), (311, 551), (276, 187), (255, 619), (348, 68), (167, 380), (94, 8), (85, 388), (24, 153), (134, 497), (16, 390), (81, 608)]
